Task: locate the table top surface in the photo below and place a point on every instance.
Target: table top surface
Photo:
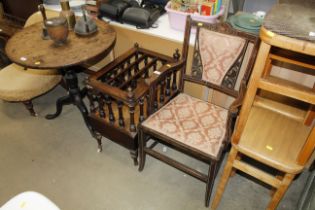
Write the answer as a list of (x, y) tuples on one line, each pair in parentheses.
[(28, 49)]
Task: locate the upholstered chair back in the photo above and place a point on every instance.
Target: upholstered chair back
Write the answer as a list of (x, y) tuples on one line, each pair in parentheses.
[(221, 59)]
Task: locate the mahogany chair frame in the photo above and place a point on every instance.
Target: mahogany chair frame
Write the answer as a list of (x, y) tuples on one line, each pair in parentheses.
[(214, 162)]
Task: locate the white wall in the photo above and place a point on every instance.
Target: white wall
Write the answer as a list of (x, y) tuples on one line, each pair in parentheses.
[(258, 5)]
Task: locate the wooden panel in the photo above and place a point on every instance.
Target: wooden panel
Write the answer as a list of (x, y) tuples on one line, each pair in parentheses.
[(273, 139)]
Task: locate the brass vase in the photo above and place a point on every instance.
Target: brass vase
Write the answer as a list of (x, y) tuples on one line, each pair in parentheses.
[(67, 13)]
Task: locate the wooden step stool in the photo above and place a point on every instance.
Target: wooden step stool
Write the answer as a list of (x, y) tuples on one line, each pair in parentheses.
[(276, 133)]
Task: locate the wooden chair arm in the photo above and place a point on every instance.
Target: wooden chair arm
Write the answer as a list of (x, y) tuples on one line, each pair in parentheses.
[(160, 74)]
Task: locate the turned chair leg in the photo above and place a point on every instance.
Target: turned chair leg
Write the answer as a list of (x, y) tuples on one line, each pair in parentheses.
[(224, 178), (141, 150), (29, 106), (210, 181), (134, 156), (280, 191)]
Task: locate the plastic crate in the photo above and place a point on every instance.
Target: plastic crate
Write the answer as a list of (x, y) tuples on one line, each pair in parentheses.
[(177, 19)]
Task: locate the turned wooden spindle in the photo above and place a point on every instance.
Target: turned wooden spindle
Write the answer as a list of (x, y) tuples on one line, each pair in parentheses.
[(147, 98), (130, 93), (134, 84), (110, 109), (112, 79), (129, 70), (120, 113), (146, 73), (104, 79), (155, 103), (132, 119), (121, 79), (91, 99), (121, 68), (162, 87), (176, 56), (101, 106), (168, 85), (141, 104), (136, 66), (131, 98), (90, 95), (174, 83), (122, 75), (137, 52)]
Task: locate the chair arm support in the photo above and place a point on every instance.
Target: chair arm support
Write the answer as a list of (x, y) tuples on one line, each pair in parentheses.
[(237, 103), (233, 112)]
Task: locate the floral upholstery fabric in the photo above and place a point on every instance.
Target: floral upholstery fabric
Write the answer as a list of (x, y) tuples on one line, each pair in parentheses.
[(192, 122), (218, 53)]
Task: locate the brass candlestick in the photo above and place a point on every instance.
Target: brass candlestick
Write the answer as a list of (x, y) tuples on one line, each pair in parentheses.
[(41, 8)]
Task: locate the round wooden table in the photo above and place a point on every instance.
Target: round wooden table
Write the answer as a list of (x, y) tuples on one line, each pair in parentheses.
[(28, 49)]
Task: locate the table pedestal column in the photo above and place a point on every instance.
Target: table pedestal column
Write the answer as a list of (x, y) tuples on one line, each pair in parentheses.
[(75, 96)]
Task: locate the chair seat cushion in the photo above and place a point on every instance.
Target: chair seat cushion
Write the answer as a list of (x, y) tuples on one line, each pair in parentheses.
[(191, 122), (17, 84)]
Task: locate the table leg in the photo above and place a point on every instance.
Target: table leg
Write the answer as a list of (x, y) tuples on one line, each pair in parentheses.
[(65, 100), (74, 97)]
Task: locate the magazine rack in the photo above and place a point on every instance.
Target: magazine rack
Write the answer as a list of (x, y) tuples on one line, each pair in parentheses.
[(119, 94)]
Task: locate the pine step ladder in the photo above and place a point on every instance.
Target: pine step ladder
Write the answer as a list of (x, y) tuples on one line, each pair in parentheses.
[(277, 133)]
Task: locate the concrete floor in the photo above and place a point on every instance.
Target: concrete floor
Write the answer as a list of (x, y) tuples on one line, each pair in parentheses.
[(58, 158)]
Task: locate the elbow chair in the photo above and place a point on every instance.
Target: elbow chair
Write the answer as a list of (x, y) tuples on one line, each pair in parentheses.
[(222, 60), (19, 84)]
